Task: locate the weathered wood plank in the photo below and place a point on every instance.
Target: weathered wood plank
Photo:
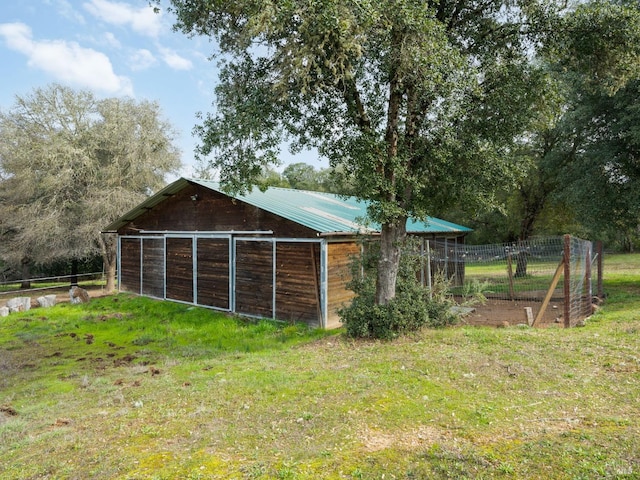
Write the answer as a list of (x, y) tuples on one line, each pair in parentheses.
[(297, 278), (340, 257), (213, 212)]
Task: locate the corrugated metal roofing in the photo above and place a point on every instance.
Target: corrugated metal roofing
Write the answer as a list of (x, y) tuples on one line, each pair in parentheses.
[(323, 212)]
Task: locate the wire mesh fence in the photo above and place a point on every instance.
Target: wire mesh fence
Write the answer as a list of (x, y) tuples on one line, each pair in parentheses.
[(535, 273)]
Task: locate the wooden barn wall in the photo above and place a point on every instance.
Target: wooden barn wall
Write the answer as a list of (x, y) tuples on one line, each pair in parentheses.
[(239, 274), (129, 269), (212, 212), (296, 273), (298, 282), (254, 278), (339, 263), (213, 272), (179, 256)]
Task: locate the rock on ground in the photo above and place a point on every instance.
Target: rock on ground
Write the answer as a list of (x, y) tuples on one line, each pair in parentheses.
[(46, 301), (19, 304)]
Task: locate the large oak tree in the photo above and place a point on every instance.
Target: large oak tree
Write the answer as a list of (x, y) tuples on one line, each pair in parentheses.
[(418, 102), (69, 165)]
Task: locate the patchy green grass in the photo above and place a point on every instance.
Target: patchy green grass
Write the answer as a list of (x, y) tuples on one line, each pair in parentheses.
[(130, 388)]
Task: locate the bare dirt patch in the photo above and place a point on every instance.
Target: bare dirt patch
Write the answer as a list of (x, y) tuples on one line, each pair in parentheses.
[(502, 313), (423, 436)]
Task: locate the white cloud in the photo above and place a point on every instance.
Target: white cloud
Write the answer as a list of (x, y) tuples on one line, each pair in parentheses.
[(67, 10), (142, 20), (142, 59), (66, 61), (175, 61), (111, 39)]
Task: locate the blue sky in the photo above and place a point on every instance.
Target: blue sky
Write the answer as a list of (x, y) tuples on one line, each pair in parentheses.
[(114, 49)]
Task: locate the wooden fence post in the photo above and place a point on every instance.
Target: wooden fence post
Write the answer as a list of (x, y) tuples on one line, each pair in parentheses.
[(567, 283), (510, 273)]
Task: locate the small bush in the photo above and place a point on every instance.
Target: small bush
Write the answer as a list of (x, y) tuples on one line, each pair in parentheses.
[(413, 307)]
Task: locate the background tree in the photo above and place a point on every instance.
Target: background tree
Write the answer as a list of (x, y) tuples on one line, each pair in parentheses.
[(604, 180), (578, 158), (302, 176), (594, 62), (69, 165), (418, 102), (270, 177)]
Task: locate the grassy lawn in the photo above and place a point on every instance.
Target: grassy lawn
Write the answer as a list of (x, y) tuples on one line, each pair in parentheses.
[(130, 388)]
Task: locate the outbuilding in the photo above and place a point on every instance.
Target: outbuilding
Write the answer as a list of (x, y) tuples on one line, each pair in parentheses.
[(279, 253)]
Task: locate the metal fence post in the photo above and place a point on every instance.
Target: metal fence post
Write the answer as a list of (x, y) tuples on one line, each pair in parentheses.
[(587, 293), (600, 253)]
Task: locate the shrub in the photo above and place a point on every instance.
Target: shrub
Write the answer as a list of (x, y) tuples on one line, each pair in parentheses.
[(413, 307)]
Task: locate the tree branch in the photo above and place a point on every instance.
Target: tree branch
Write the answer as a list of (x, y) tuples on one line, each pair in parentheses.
[(355, 107)]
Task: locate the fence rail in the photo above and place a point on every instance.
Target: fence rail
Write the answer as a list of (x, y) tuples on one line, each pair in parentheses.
[(49, 283)]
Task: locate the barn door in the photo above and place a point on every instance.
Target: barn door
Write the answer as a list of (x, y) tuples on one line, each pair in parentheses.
[(129, 263), (298, 282), (213, 272), (253, 279), (153, 267), (179, 265)]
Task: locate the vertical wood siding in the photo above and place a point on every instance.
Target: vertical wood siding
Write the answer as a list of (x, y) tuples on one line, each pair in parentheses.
[(298, 282), (153, 267), (339, 273), (254, 278)]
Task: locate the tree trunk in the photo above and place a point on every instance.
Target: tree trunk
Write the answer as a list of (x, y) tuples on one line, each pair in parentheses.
[(109, 257), (26, 273), (533, 204), (392, 239), (393, 232), (522, 261), (74, 272)]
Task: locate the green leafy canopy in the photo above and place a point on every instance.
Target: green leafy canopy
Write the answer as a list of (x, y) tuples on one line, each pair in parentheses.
[(416, 101), (71, 163)]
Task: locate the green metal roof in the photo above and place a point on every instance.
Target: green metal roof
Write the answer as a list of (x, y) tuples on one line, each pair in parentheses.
[(323, 212)]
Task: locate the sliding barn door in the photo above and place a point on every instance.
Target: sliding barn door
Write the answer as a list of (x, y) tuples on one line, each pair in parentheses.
[(153, 267), (214, 272), (179, 277)]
